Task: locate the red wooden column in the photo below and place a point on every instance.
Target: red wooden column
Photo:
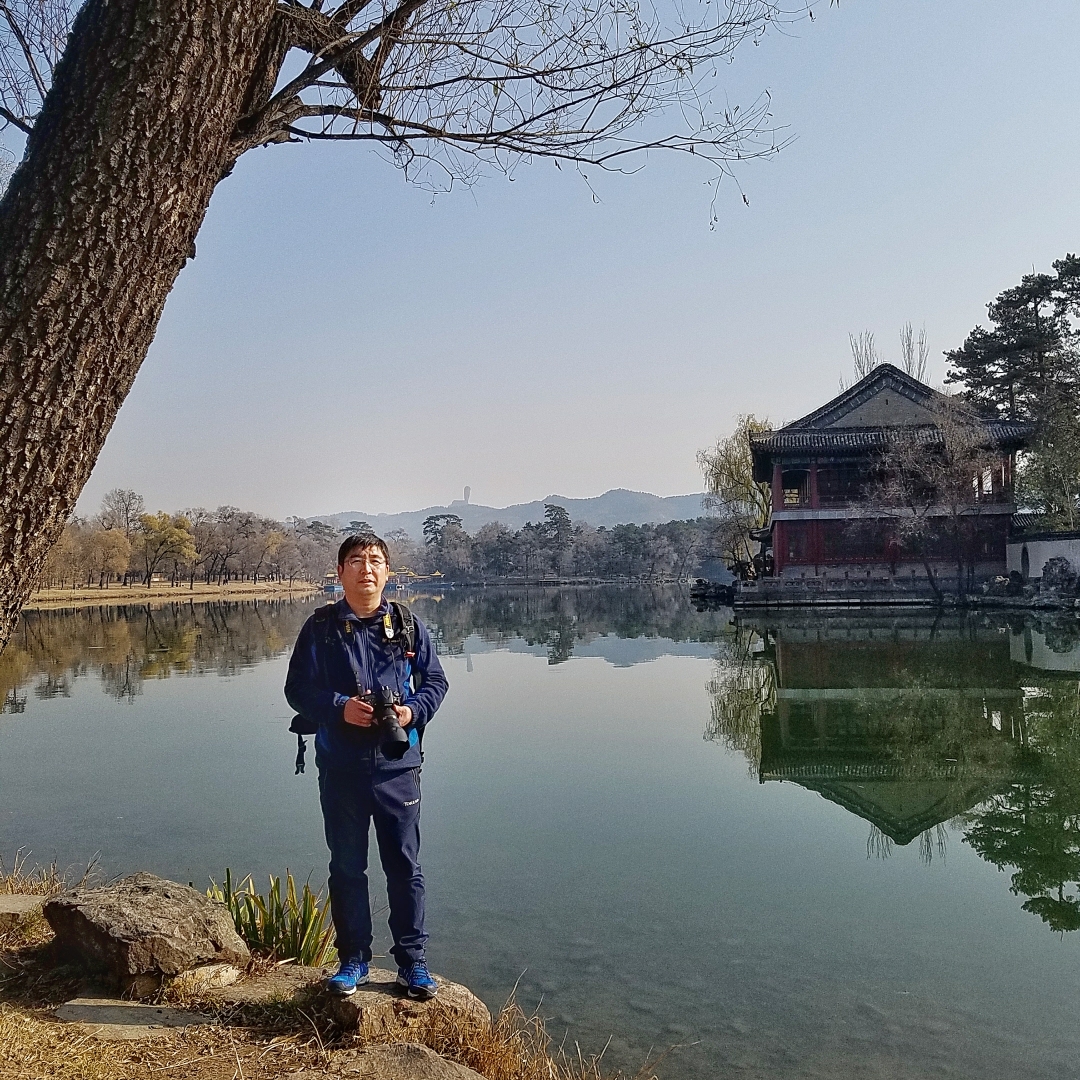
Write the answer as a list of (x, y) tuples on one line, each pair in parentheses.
[(815, 525), (779, 551)]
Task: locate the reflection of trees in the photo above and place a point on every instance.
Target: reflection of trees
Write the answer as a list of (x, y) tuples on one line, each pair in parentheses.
[(561, 618), (742, 690), (933, 843), (128, 644), (1034, 826)]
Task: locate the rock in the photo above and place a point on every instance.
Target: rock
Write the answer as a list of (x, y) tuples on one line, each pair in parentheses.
[(398, 1061), (17, 909), (1058, 575), (142, 930), (290, 982), (208, 977), (380, 1008), (113, 1019)]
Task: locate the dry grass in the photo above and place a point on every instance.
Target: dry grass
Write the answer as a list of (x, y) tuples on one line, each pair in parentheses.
[(38, 881), (33, 1046), (512, 1046)]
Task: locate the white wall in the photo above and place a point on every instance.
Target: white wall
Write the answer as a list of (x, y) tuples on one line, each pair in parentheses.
[(1038, 553)]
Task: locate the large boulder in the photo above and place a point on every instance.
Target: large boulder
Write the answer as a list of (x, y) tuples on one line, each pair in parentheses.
[(399, 1061), (143, 930)]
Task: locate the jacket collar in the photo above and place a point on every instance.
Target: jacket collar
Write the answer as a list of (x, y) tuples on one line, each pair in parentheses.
[(346, 613)]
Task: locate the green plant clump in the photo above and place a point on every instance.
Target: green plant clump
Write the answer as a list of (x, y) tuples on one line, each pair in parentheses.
[(287, 927)]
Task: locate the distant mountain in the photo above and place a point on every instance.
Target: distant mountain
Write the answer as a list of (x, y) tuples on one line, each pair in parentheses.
[(615, 507)]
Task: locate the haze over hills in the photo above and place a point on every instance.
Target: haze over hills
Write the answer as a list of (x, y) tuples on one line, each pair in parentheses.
[(615, 507)]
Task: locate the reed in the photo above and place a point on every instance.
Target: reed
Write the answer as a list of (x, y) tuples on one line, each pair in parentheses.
[(513, 1045), (37, 881), (284, 924)]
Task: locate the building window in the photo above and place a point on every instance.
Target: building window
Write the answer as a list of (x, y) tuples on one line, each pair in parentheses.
[(796, 484)]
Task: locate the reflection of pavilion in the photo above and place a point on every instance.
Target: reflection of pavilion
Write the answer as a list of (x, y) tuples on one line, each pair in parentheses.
[(904, 721)]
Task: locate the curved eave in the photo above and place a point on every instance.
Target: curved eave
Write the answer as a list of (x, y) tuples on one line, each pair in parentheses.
[(795, 443)]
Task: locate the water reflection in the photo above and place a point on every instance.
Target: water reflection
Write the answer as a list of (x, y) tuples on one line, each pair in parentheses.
[(563, 619), (915, 721), (126, 645)]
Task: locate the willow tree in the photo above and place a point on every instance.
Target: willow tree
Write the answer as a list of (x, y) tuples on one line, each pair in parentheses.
[(133, 117)]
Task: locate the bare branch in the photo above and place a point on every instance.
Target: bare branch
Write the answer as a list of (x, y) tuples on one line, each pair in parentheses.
[(347, 12), (439, 81), (33, 34), (28, 53), (18, 121)]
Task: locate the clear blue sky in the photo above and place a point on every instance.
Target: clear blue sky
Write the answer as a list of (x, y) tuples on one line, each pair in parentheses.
[(342, 341)]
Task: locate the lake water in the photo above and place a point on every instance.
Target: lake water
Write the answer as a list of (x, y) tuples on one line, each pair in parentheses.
[(795, 846)]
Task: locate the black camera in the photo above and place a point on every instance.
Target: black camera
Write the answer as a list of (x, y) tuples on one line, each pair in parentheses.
[(395, 739)]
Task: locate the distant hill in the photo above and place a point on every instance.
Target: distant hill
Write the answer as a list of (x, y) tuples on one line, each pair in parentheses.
[(615, 507)]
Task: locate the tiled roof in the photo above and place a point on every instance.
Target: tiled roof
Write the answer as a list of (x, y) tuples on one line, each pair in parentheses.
[(882, 377), (1003, 433)]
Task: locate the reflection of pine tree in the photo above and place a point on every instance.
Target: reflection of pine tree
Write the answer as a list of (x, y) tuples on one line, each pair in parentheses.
[(1034, 827)]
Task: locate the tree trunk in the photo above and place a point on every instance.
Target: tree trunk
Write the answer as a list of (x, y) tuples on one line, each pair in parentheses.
[(94, 228)]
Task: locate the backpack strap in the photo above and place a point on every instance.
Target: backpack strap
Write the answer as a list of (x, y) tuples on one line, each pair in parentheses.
[(407, 622), (300, 725)]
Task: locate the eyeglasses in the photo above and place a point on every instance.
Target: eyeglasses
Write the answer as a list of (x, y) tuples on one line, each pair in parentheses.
[(366, 560)]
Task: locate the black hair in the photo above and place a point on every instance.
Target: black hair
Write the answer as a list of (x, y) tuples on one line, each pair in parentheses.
[(362, 540)]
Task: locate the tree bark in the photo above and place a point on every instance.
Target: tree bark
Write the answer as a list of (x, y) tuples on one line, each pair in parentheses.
[(97, 223)]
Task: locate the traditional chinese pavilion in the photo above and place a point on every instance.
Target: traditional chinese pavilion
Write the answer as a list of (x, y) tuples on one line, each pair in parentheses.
[(825, 535)]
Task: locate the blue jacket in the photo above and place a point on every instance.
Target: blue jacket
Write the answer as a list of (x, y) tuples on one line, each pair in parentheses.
[(321, 679)]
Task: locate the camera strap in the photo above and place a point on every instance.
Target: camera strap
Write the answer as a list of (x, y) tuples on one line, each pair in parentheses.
[(350, 655)]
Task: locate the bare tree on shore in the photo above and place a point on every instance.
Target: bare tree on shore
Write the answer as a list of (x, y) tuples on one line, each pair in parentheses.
[(133, 118)]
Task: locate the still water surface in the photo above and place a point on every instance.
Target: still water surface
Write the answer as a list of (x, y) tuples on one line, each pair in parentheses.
[(798, 847)]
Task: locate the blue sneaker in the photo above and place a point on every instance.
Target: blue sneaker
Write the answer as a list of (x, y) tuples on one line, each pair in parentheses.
[(418, 980), (351, 974)]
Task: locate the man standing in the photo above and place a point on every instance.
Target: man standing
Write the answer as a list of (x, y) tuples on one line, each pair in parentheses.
[(349, 656)]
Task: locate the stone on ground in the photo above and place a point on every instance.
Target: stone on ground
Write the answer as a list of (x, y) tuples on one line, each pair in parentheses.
[(288, 983), (142, 930), (17, 909), (115, 1019), (380, 1008), (207, 977), (399, 1061)]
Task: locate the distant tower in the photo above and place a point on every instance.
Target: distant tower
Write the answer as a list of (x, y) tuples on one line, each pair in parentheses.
[(468, 492)]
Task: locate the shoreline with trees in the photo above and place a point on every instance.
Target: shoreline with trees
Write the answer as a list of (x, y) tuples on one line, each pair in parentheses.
[(124, 554), (164, 593)]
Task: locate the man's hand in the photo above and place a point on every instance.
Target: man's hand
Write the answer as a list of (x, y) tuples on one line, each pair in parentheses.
[(404, 715), (359, 713)]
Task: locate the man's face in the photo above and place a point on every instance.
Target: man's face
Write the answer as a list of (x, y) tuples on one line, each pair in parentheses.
[(364, 573)]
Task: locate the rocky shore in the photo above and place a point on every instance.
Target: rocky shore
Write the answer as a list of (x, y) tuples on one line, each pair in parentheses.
[(103, 981)]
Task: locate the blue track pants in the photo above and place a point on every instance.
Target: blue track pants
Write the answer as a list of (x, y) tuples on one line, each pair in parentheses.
[(349, 802)]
